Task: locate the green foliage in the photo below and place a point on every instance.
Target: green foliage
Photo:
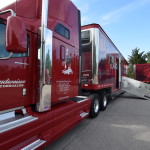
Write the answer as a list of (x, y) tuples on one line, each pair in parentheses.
[(148, 57), (48, 61), (130, 72), (136, 57)]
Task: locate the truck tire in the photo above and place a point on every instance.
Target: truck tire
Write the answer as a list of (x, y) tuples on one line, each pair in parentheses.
[(103, 101), (95, 105)]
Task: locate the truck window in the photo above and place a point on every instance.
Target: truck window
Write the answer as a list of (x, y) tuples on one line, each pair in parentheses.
[(85, 37), (63, 31), (3, 51), (86, 41)]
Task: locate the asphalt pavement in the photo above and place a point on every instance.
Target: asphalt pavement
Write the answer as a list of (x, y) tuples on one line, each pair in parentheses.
[(125, 125)]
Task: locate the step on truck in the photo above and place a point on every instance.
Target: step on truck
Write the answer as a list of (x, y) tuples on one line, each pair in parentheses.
[(52, 75)]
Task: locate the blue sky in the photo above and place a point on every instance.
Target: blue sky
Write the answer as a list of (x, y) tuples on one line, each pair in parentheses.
[(127, 22)]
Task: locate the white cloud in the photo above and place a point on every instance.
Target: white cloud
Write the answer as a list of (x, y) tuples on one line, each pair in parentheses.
[(116, 14), (84, 20), (4, 3), (84, 8)]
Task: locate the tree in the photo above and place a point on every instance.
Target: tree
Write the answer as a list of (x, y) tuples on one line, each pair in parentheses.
[(148, 57), (130, 71), (48, 62), (136, 57)]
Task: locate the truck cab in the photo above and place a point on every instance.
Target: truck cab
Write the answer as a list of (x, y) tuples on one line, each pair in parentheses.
[(49, 61), (39, 77)]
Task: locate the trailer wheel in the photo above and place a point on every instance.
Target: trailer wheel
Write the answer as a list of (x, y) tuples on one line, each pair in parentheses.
[(95, 105), (103, 101)]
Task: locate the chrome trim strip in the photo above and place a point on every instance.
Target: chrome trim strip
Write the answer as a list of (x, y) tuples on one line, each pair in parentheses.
[(45, 57), (80, 68), (34, 145), (84, 114), (10, 120), (17, 123), (10, 110), (44, 18), (10, 55), (7, 11), (82, 101), (20, 63), (95, 54), (120, 70)]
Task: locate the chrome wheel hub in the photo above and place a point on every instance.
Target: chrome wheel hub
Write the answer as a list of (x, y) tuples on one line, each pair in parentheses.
[(96, 105), (105, 101)]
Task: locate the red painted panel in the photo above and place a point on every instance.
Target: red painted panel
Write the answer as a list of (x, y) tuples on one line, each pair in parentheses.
[(64, 72), (67, 115), (13, 79), (96, 86), (142, 72)]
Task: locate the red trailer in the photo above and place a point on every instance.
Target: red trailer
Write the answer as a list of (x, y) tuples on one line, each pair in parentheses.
[(41, 93), (102, 64), (142, 72)]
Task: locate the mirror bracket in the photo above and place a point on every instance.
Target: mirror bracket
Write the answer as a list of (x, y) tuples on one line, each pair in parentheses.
[(12, 14), (10, 55), (8, 11)]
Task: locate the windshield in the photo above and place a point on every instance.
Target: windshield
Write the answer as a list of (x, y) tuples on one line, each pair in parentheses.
[(3, 51)]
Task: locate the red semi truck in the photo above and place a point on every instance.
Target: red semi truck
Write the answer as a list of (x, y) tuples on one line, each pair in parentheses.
[(52, 75), (142, 72)]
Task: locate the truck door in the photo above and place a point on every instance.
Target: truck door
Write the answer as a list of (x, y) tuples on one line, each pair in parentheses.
[(65, 67), (14, 74)]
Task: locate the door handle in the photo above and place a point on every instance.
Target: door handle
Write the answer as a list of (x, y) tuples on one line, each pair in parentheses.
[(62, 53)]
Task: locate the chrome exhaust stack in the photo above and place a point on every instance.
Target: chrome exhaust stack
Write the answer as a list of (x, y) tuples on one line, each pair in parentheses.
[(45, 58)]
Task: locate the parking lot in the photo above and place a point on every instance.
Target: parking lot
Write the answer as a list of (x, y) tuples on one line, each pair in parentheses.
[(125, 125)]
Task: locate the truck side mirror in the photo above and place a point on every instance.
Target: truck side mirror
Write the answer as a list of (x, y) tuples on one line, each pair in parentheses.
[(16, 35)]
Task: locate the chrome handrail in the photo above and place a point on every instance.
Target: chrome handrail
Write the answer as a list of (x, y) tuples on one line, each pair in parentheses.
[(7, 11)]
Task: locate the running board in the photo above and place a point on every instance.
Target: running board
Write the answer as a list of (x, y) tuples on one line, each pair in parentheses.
[(84, 114), (135, 87), (34, 145), (10, 121), (79, 99)]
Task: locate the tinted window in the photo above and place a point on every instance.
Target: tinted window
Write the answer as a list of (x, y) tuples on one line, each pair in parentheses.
[(85, 36), (3, 51), (63, 31), (86, 42)]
